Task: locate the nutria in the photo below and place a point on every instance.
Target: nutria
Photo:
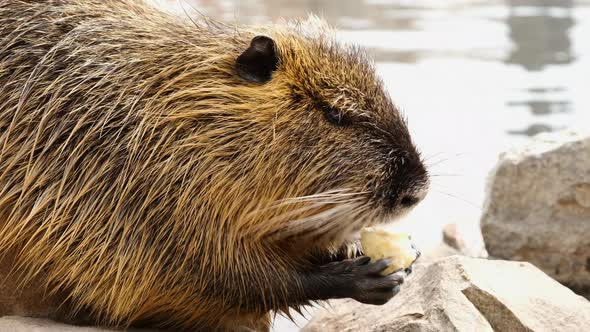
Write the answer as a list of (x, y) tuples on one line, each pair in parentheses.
[(157, 171)]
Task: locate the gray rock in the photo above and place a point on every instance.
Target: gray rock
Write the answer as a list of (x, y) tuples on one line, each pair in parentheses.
[(465, 294), (538, 208)]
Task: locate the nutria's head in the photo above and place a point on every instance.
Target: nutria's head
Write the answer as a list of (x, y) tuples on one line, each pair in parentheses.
[(337, 142)]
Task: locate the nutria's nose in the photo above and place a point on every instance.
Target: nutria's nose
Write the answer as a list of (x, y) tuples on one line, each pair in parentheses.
[(409, 201), (407, 186)]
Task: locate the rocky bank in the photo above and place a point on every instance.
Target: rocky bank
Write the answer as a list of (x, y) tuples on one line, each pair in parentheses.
[(465, 294)]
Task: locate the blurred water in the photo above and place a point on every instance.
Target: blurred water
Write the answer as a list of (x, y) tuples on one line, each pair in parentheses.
[(473, 77)]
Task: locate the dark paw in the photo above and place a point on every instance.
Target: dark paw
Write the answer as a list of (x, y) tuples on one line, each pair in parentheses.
[(361, 280)]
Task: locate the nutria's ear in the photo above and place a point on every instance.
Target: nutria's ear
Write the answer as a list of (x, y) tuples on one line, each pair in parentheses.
[(258, 61)]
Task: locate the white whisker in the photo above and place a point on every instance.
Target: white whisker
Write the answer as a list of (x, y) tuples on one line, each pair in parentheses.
[(477, 206)]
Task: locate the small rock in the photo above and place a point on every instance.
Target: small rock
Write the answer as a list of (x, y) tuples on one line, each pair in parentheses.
[(452, 237), (465, 294), (538, 208), (465, 238)]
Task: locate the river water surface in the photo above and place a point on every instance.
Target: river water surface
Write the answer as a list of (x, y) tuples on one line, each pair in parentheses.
[(473, 78)]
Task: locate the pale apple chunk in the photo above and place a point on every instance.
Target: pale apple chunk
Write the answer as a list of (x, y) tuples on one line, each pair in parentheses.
[(379, 244)]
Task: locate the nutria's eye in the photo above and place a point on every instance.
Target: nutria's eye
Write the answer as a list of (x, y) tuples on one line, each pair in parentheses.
[(335, 116)]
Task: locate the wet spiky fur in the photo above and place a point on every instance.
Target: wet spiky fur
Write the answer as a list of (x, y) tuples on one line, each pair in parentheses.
[(149, 184)]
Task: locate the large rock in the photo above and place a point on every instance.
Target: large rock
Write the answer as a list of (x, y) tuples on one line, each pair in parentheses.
[(538, 208), (465, 294)]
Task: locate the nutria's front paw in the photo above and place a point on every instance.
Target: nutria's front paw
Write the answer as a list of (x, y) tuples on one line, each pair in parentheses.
[(361, 280)]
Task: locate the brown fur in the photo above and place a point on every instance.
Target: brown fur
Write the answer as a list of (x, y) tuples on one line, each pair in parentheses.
[(141, 177)]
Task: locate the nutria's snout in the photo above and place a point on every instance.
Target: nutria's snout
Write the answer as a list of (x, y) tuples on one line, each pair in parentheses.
[(402, 200), (405, 186), (414, 196), (408, 199), (412, 199)]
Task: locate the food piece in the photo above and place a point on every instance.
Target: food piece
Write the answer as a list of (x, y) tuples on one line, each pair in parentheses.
[(379, 244)]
